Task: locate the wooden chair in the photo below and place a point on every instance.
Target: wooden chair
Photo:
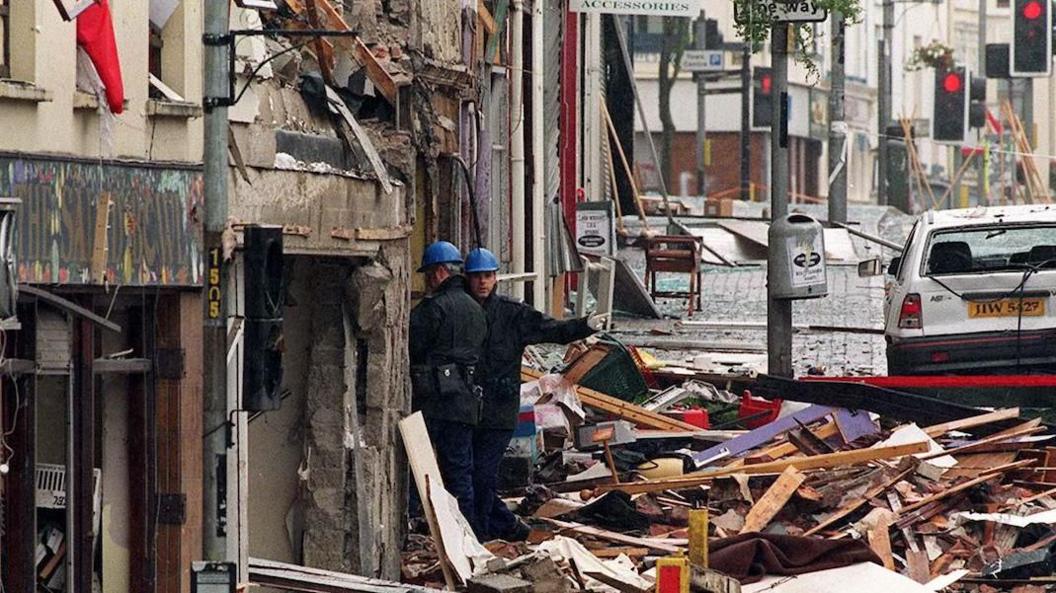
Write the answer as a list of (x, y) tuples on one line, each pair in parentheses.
[(679, 254)]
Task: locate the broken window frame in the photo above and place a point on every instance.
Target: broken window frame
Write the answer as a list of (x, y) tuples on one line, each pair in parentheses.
[(5, 38)]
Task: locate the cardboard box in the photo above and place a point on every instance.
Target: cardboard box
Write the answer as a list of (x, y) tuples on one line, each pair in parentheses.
[(718, 208)]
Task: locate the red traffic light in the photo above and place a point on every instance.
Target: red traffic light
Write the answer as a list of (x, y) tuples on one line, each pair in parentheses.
[(766, 84), (1032, 10), (952, 83)]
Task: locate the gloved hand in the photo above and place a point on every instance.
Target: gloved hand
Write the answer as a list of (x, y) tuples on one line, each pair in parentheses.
[(598, 321)]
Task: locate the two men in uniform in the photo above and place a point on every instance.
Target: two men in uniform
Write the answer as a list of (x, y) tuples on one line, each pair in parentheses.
[(483, 335)]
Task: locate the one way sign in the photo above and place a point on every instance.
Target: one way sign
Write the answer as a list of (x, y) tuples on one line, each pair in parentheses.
[(776, 11)]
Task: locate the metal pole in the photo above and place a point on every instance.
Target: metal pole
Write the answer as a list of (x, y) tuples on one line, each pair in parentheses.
[(216, 84), (539, 287), (837, 127), (701, 42), (779, 311), (884, 112), (746, 122), (517, 161)]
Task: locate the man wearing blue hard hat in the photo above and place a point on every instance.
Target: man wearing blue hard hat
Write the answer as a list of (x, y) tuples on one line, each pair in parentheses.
[(447, 332), (512, 325)]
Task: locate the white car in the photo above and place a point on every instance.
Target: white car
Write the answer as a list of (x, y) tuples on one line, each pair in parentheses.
[(973, 293)]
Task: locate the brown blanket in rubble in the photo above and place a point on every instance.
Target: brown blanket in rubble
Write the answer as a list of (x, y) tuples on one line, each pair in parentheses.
[(751, 556)]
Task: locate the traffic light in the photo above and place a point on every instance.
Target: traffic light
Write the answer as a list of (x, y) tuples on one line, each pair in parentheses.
[(1031, 53), (997, 61), (950, 117), (713, 38), (265, 297), (762, 97), (977, 103)]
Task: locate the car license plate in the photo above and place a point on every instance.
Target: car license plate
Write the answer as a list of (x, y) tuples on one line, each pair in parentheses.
[(1007, 308)]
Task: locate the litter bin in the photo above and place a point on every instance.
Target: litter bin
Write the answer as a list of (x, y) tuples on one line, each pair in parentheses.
[(799, 243)]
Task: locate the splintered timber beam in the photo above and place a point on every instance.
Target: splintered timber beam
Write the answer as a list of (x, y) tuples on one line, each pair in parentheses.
[(775, 498), (619, 408), (971, 422), (376, 72), (800, 463)]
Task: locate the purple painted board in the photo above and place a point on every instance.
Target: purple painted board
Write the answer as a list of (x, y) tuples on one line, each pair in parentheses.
[(854, 425), (761, 435)]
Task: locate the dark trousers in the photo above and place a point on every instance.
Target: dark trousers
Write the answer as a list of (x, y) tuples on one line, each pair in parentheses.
[(453, 444), (494, 518)]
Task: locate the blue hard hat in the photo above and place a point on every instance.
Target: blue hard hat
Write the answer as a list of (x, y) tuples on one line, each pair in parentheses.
[(481, 260), (440, 252)]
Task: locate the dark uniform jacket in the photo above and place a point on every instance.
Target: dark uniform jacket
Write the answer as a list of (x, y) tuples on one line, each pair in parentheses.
[(446, 334), (512, 325)]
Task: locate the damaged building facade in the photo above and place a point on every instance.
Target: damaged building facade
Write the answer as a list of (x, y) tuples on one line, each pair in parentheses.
[(366, 148), (100, 397), (414, 125)]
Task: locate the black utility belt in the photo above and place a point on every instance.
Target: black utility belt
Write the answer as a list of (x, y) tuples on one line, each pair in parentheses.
[(445, 379)]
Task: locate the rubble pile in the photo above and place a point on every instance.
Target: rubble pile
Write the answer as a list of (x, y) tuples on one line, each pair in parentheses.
[(899, 492)]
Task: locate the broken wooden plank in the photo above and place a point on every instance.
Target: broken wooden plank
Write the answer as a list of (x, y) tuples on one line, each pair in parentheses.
[(424, 470), (775, 498), (324, 49), (617, 551), (619, 538), (615, 583), (859, 503), (800, 463), (619, 408), (990, 475), (878, 532), (492, 51), (938, 430), (486, 19), (917, 566), (983, 444), (377, 73)]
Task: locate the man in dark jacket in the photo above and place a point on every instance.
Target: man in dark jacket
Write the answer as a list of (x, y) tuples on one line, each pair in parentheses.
[(447, 332), (512, 325)]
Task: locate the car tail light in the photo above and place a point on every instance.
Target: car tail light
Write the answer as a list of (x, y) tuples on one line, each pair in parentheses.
[(911, 315), (939, 357)]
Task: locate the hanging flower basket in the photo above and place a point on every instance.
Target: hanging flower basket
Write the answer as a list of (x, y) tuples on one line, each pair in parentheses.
[(934, 55)]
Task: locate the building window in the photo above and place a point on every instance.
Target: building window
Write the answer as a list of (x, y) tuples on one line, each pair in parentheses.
[(5, 38), (155, 45)]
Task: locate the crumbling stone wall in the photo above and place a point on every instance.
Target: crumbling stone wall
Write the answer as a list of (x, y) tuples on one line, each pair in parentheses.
[(325, 465), (355, 486)]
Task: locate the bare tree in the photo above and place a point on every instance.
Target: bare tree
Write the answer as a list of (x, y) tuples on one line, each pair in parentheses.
[(676, 39)]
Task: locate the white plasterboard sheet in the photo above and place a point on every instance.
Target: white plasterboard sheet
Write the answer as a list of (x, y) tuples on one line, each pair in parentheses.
[(728, 244), (621, 568), (461, 546), (941, 582), (838, 246), (867, 578), (1044, 517), (911, 433), (755, 231)]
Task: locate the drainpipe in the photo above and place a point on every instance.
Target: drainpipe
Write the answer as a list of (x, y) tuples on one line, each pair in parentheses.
[(517, 216), (539, 287)]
